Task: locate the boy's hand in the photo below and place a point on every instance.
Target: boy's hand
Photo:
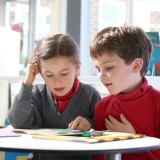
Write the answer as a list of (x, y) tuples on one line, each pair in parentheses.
[(80, 123), (32, 70), (114, 125)]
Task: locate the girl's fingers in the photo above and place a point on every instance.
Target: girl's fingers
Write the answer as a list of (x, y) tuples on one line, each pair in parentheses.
[(70, 124)]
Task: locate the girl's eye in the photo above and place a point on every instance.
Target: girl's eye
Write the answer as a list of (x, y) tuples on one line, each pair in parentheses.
[(64, 74)]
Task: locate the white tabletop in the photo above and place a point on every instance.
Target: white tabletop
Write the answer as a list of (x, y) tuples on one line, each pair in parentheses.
[(27, 143)]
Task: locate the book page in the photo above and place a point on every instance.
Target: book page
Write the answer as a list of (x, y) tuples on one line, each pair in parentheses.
[(48, 131), (5, 132), (105, 137)]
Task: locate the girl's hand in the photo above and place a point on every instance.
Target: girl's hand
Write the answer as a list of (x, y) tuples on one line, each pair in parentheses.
[(80, 123), (32, 70), (114, 125)]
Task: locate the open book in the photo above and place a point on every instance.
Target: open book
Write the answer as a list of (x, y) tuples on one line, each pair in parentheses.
[(48, 131), (105, 137), (59, 132), (92, 136)]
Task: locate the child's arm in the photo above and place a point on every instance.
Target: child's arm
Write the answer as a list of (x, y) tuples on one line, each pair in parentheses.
[(114, 125), (80, 123), (24, 112), (32, 70)]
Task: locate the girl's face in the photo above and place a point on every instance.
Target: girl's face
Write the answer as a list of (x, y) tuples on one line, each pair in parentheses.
[(116, 75), (59, 74)]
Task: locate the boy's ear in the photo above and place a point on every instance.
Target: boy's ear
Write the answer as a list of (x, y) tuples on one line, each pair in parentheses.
[(138, 64)]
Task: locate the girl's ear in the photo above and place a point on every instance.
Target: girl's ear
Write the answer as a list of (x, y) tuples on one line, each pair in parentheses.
[(38, 61), (78, 68), (38, 64), (138, 64), (39, 67)]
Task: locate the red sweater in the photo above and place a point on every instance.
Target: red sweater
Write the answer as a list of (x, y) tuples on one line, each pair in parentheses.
[(141, 108), (62, 101)]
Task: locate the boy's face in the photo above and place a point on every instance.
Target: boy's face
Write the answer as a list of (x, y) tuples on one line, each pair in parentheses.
[(59, 74), (117, 76)]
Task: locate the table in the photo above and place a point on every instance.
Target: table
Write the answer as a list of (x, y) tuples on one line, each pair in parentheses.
[(112, 150)]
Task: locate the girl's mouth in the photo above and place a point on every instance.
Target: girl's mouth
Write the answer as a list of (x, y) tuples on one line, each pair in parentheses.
[(59, 89)]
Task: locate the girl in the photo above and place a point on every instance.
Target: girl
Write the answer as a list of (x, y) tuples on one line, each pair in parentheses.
[(63, 101)]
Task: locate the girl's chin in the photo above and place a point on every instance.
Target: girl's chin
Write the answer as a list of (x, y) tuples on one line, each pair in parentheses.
[(59, 93)]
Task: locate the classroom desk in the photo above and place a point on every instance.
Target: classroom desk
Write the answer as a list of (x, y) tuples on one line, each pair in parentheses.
[(112, 150)]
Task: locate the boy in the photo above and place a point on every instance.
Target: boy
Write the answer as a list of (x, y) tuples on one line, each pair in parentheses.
[(121, 56)]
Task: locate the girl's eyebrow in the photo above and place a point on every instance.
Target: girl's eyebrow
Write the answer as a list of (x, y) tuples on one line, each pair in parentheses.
[(66, 69)]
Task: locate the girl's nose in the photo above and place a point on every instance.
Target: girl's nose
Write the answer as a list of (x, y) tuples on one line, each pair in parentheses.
[(57, 79)]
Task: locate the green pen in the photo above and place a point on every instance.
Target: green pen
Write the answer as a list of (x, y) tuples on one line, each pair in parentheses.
[(92, 133), (86, 134)]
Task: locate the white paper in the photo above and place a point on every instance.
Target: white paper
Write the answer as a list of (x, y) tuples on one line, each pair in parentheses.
[(4, 101)]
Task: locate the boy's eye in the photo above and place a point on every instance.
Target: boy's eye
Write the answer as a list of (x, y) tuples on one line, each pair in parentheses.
[(98, 71), (109, 68), (49, 75)]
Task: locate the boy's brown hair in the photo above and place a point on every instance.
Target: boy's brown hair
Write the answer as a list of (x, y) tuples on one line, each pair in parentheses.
[(127, 42)]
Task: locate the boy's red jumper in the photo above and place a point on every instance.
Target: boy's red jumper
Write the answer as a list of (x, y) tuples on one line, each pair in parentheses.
[(141, 108)]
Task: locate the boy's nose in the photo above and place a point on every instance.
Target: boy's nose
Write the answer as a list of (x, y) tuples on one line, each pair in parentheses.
[(101, 75)]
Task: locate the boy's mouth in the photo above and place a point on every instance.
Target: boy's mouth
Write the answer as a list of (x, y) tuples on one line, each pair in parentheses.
[(108, 84)]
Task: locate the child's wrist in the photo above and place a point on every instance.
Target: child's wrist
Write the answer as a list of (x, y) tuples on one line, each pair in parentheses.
[(28, 83)]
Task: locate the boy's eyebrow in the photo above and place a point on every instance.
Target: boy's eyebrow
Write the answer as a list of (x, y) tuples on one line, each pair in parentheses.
[(107, 62), (97, 67), (47, 72), (104, 63)]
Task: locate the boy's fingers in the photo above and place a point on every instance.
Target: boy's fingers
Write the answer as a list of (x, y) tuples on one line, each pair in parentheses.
[(113, 120), (109, 125), (123, 119)]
